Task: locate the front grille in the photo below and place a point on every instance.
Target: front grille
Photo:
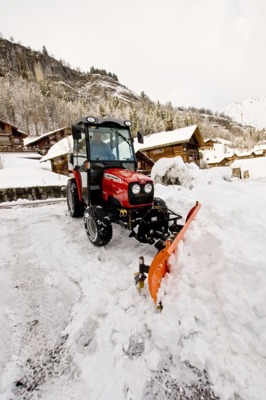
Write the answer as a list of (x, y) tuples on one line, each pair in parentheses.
[(141, 198)]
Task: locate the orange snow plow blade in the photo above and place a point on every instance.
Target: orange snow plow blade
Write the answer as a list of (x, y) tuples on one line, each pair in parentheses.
[(159, 265)]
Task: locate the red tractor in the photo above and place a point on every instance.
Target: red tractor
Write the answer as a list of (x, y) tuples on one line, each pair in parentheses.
[(105, 188)]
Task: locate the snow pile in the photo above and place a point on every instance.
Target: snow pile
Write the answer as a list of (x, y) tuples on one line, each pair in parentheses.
[(174, 171)]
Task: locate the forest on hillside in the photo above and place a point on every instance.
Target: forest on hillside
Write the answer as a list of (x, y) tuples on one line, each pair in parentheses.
[(37, 108), (63, 95)]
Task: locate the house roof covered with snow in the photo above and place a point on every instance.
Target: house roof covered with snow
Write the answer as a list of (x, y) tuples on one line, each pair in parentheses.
[(59, 149), (218, 140), (19, 131), (260, 145), (160, 139), (35, 139)]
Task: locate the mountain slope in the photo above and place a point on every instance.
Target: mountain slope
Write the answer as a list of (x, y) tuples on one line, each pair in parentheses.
[(248, 112), (40, 94)]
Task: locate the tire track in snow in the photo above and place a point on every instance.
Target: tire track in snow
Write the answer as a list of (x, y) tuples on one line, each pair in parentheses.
[(40, 298), (53, 265), (56, 267)]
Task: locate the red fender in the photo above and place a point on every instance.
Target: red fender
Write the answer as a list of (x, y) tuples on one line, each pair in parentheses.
[(159, 265), (77, 177)]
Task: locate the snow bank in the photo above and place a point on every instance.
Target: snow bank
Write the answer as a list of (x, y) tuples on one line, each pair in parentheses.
[(22, 159), (175, 171), (24, 170), (29, 177)]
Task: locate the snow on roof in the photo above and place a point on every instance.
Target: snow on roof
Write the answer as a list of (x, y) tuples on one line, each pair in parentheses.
[(240, 153), (8, 123), (218, 140), (260, 145), (59, 149), (13, 126), (163, 138), (215, 157), (37, 138), (258, 152)]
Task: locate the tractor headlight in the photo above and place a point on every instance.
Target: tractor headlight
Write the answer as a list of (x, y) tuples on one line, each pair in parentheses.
[(91, 119), (136, 189), (148, 188)]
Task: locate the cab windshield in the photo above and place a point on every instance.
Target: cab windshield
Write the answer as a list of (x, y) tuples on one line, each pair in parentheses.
[(110, 144)]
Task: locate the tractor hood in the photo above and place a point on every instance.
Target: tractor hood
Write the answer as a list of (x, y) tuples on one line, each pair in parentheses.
[(125, 175), (127, 189)]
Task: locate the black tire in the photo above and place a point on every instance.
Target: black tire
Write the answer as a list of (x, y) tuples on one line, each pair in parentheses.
[(98, 225), (75, 206)]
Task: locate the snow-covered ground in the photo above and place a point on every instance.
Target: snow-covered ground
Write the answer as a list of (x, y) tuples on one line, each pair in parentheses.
[(25, 170), (73, 325)]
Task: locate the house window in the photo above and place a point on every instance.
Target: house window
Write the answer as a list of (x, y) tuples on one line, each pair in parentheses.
[(158, 151), (4, 140)]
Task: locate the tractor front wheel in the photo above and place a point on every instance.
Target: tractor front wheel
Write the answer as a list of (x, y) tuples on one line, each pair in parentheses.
[(97, 225), (75, 206)]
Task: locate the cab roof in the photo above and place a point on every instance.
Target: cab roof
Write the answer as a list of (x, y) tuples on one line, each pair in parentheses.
[(99, 121)]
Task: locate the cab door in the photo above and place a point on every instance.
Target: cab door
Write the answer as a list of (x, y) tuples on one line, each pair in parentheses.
[(81, 158)]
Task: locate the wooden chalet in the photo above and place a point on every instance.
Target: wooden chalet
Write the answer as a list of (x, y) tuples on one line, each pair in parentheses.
[(11, 138), (44, 142), (183, 142), (210, 144)]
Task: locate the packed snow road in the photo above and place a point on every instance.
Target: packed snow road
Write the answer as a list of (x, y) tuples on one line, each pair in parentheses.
[(74, 326), (48, 265)]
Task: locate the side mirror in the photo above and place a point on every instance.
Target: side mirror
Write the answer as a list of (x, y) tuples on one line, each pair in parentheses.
[(140, 137), (76, 132)]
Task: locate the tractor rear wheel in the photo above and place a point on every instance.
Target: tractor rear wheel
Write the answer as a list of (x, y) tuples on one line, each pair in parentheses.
[(97, 225), (75, 206)]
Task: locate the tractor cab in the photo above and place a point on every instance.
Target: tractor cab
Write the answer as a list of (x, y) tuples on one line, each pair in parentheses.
[(100, 144)]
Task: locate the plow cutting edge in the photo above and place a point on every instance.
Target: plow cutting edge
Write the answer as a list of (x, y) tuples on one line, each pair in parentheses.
[(159, 265)]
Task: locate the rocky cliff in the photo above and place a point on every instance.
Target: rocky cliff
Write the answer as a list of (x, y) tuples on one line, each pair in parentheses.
[(39, 67), (32, 65)]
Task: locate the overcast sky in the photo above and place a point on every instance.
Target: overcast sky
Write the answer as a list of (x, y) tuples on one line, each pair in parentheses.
[(202, 53)]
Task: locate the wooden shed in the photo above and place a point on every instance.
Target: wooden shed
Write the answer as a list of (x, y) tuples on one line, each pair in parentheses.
[(11, 138), (184, 142), (44, 142)]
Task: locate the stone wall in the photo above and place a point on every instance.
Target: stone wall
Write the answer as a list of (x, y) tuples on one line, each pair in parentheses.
[(32, 193)]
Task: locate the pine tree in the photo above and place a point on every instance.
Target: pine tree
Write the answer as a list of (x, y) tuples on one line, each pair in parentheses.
[(44, 50)]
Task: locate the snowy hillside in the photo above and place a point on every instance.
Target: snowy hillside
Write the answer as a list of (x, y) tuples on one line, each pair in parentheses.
[(73, 326), (248, 112)]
